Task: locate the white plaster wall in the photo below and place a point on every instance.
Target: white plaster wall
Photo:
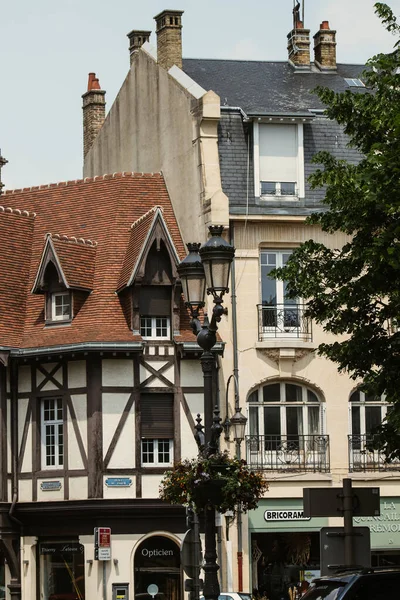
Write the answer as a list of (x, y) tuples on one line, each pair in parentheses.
[(124, 452), (188, 443), (150, 485), (77, 374), (28, 570), (191, 373), (78, 488), (79, 402), (195, 401), (27, 460), (24, 379), (25, 490), (52, 495), (118, 372)]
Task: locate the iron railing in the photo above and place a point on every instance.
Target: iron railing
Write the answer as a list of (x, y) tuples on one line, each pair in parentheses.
[(365, 455), (283, 320), (288, 452)]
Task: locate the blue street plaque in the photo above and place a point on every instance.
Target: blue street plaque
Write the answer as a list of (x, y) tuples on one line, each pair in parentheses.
[(50, 486), (118, 482)]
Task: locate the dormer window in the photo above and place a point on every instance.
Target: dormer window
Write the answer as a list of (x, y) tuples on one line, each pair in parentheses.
[(61, 306), (155, 327)]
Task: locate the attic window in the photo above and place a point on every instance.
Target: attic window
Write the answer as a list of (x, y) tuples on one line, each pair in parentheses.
[(354, 82), (61, 306)]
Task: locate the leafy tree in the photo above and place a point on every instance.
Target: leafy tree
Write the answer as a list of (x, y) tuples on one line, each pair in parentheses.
[(355, 290)]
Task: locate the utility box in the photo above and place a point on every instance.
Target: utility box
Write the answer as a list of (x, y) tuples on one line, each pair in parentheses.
[(120, 591)]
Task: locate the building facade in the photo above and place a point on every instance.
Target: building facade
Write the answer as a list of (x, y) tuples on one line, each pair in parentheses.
[(100, 388), (307, 425)]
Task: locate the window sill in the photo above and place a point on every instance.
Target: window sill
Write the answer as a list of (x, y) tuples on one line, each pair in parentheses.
[(51, 324), (283, 342), (269, 197)]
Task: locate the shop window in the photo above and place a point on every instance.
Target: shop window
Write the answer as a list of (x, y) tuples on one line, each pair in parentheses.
[(52, 431), (62, 570), (157, 429), (157, 561), (278, 160), (279, 316), (286, 428)]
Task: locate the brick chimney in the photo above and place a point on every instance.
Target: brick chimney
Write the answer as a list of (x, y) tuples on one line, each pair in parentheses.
[(136, 40), (169, 38), (325, 47), (299, 46), (94, 112)]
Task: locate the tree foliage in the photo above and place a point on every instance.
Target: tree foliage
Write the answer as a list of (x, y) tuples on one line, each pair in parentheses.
[(355, 290)]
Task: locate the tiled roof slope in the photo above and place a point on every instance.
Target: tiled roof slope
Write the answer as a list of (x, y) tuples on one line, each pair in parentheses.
[(262, 87), (77, 259), (101, 209), (16, 233)]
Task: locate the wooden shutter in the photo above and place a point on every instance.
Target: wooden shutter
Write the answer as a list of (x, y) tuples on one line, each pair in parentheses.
[(157, 415), (155, 301)]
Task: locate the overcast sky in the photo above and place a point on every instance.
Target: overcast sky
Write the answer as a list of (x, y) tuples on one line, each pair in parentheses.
[(48, 47)]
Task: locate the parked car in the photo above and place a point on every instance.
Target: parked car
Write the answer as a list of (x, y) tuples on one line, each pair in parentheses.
[(362, 584), (232, 596)]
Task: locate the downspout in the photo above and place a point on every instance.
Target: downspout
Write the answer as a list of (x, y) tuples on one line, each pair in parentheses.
[(14, 436), (236, 377)]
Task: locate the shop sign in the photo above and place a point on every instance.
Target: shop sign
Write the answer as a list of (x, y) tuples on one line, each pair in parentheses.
[(285, 515), (50, 486), (64, 548), (152, 552), (118, 482), (385, 529), (102, 543)]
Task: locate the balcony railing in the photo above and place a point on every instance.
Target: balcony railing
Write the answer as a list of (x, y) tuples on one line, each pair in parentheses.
[(288, 452), (283, 321), (363, 456)]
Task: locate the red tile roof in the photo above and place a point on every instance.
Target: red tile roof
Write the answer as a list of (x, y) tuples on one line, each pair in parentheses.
[(77, 259), (101, 209)]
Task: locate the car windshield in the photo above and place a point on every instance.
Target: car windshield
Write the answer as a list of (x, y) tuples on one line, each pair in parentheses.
[(244, 596), (324, 590)]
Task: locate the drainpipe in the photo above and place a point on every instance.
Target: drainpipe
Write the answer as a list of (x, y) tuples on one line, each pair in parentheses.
[(236, 378), (14, 436)]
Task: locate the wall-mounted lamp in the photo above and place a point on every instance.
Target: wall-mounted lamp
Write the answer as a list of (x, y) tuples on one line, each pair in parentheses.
[(115, 562), (89, 561), (26, 562)]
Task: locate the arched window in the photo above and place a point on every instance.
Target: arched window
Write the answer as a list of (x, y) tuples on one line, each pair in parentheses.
[(286, 426), (367, 412)]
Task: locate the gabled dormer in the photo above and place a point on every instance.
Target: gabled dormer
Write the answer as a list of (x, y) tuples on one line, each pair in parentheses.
[(65, 276), (148, 284)]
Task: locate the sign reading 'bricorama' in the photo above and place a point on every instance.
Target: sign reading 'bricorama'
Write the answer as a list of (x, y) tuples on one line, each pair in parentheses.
[(285, 515)]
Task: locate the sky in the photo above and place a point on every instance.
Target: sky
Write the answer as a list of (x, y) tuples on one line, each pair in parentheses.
[(48, 47)]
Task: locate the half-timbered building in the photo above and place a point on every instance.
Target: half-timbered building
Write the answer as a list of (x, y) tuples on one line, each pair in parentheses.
[(100, 383)]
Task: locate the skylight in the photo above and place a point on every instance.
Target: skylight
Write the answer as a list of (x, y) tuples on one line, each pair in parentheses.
[(354, 82)]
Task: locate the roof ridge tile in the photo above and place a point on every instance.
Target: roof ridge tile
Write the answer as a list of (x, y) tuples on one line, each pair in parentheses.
[(17, 211), (143, 217), (71, 239)]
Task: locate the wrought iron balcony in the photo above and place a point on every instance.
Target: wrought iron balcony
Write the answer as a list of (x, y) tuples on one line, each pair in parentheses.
[(288, 452), (364, 455), (283, 321)]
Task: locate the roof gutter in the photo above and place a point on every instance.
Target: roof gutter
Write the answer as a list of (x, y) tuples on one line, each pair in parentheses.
[(237, 109), (82, 347)]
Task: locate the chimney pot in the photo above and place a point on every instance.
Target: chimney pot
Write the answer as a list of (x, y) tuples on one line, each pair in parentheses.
[(324, 25), (169, 38)]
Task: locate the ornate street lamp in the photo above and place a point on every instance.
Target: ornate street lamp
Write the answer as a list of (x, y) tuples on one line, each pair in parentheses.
[(238, 425), (208, 265)]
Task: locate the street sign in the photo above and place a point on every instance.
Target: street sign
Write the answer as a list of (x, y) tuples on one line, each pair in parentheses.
[(102, 543), (332, 542), (328, 502), (191, 557)]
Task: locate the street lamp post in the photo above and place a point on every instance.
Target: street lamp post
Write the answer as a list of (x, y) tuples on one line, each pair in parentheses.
[(207, 268)]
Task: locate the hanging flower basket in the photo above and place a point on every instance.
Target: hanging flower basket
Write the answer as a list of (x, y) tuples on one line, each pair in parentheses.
[(217, 480)]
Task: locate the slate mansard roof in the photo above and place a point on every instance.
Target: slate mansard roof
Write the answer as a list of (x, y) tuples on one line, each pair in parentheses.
[(262, 87), (88, 224)]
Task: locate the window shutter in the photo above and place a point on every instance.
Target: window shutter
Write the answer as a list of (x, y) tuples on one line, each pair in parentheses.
[(278, 153), (157, 415), (155, 301)]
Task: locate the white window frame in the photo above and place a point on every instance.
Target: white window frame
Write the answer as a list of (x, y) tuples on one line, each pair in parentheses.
[(62, 317), (156, 462), (362, 403), (58, 432), (154, 328), (283, 404), (300, 184)]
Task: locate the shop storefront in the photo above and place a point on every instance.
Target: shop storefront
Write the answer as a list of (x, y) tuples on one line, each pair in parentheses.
[(285, 547), (157, 569), (62, 572), (385, 533)]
